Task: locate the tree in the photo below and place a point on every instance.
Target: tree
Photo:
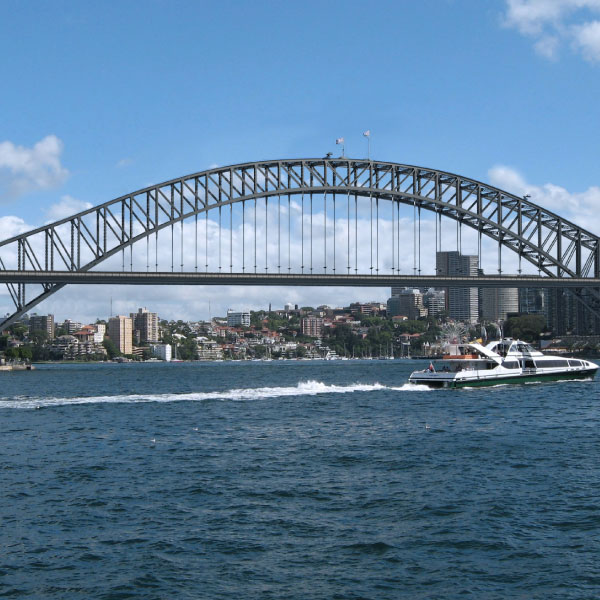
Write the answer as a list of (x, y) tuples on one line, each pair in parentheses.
[(412, 326), (38, 337), (256, 317), (274, 322), (259, 350), (301, 351), (25, 353), (111, 348), (19, 330), (525, 327), (187, 349), (41, 353)]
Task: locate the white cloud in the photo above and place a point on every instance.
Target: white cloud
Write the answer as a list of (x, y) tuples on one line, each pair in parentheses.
[(124, 162), (553, 22), (192, 302), (586, 38), (547, 46), (532, 16), (65, 208), (508, 179), (11, 226), (24, 170), (579, 207)]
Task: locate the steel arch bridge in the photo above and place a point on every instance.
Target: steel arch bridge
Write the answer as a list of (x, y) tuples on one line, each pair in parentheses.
[(36, 264)]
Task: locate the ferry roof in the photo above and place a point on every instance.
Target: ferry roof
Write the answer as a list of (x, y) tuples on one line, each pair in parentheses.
[(514, 347), (486, 352)]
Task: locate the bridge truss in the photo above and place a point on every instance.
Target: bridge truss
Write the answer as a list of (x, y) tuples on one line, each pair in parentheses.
[(331, 233)]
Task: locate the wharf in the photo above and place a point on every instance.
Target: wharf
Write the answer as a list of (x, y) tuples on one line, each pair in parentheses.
[(17, 367)]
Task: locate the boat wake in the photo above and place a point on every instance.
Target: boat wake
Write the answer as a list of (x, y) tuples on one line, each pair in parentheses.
[(305, 388)]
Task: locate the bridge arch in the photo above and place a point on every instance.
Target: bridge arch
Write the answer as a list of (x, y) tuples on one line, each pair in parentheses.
[(555, 246)]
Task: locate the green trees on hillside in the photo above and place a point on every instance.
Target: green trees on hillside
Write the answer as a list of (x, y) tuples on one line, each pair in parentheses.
[(525, 327)]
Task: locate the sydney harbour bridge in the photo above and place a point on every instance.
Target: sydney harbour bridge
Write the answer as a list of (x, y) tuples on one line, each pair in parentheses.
[(304, 222)]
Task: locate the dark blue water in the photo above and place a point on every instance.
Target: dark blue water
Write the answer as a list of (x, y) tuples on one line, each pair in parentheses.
[(294, 480)]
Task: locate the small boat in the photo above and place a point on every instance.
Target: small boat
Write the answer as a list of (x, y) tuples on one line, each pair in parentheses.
[(500, 362)]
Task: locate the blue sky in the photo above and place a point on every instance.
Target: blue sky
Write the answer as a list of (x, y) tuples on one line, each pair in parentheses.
[(134, 93)]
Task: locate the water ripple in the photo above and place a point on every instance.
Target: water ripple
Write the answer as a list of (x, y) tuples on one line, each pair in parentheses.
[(298, 480)]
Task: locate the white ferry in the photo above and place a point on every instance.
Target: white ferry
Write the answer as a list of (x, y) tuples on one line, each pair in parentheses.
[(500, 362)]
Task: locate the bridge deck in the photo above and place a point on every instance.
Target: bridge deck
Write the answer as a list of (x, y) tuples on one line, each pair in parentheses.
[(300, 279)]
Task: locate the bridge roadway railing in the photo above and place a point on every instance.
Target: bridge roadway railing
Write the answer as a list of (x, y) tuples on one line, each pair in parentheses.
[(292, 279)]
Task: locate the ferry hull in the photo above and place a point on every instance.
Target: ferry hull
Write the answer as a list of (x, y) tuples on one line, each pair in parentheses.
[(503, 380)]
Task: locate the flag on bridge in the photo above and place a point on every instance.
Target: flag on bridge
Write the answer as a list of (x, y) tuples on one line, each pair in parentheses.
[(339, 141), (367, 133)]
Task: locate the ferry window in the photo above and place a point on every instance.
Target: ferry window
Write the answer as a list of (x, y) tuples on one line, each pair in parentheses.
[(510, 364), (529, 364), (574, 363), (503, 349), (522, 348), (555, 363)]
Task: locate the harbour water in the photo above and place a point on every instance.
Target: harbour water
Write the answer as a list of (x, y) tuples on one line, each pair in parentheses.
[(294, 480)]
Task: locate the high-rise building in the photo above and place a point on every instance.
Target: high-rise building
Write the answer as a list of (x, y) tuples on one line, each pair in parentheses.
[(120, 332), (43, 323), (145, 325), (534, 301), (561, 310), (434, 301), (238, 319), (311, 326), (71, 326), (462, 303), (407, 303), (496, 303), (586, 322), (366, 308)]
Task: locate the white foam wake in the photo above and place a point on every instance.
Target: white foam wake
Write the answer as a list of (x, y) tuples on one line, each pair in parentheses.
[(305, 388)]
